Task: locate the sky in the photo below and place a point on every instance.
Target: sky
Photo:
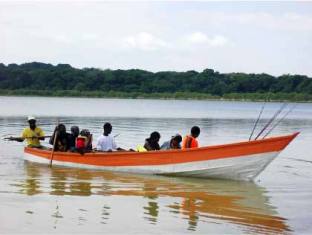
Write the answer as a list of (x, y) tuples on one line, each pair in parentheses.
[(252, 37)]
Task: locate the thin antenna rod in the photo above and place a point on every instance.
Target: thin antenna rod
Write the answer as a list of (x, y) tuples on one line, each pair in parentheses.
[(279, 121), (256, 123), (271, 120)]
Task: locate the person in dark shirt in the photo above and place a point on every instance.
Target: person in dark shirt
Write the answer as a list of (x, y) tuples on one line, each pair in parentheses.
[(151, 143), (72, 138), (62, 138)]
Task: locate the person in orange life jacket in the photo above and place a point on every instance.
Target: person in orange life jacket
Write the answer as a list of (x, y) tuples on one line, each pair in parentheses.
[(62, 138), (151, 143), (190, 141)]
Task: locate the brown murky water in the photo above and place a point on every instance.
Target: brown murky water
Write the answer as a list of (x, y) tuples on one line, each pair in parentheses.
[(38, 199)]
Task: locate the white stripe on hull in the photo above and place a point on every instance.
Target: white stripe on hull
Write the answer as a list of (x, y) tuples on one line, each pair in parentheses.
[(234, 168)]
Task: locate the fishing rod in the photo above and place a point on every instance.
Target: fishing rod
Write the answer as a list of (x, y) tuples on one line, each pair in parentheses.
[(280, 120), (271, 120), (256, 123)]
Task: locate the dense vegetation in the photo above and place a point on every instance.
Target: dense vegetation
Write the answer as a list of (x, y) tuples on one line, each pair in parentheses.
[(63, 80)]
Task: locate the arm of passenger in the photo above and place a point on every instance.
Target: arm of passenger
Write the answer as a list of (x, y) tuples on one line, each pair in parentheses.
[(147, 147), (22, 138)]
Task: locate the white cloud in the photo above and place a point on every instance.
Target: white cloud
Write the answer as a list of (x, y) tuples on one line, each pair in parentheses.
[(197, 37), (203, 39), (144, 41), (253, 37), (89, 37), (288, 21)]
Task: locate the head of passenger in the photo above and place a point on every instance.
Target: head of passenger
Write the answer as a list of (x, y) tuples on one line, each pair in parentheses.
[(195, 131), (107, 128), (154, 137), (74, 131), (175, 141), (85, 132), (61, 130), (32, 123)]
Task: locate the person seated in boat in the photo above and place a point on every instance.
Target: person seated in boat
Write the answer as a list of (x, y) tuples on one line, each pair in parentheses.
[(60, 139), (106, 142), (151, 143), (190, 141), (33, 134), (84, 141), (173, 143), (72, 138)]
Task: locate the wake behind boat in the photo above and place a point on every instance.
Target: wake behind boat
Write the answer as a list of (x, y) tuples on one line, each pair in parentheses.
[(236, 161)]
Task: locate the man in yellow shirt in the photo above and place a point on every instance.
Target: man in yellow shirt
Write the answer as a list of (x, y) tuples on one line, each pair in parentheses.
[(32, 134)]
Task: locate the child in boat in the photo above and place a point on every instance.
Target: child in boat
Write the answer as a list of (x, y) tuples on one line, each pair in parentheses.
[(173, 143), (151, 143), (190, 141)]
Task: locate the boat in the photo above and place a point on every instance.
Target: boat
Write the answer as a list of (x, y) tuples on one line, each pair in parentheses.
[(235, 161)]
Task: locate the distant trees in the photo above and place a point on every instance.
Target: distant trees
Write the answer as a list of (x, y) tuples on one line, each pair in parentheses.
[(62, 79)]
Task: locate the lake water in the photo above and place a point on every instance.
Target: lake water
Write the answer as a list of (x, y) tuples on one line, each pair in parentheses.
[(38, 199)]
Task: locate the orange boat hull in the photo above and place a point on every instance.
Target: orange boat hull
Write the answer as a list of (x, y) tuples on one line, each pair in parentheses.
[(237, 161)]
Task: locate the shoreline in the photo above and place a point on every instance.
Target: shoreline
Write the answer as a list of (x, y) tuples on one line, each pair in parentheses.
[(245, 97)]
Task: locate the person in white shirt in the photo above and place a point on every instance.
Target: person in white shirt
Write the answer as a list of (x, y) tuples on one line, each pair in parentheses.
[(106, 142)]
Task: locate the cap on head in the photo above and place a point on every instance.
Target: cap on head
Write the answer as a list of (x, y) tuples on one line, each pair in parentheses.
[(31, 118)]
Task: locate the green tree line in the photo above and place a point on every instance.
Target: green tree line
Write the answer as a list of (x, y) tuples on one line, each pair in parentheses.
[(63, 80)]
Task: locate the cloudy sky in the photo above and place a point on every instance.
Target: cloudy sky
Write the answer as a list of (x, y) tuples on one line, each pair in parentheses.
[(270, 37)]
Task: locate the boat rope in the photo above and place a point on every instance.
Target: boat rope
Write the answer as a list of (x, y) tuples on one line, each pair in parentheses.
[(280, 120), (272, 119), (256, 123)]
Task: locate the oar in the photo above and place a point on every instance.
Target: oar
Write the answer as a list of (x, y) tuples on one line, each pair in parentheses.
[(13, 138), (54, 142)]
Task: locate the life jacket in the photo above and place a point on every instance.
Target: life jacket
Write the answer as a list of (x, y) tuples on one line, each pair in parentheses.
[(189, 142), (81, 142)]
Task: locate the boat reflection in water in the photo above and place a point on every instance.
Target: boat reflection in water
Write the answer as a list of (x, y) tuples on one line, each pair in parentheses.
[(196, 201)]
